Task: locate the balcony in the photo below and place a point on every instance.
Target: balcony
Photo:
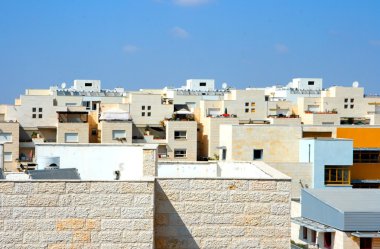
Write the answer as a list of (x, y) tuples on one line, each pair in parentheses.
[(72, 117)]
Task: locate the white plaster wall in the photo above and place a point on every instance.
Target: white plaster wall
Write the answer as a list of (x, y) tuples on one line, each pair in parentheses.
[(96, 162)]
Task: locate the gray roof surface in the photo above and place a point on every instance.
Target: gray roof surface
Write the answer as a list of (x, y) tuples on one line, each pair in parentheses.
[(349, 200), (59, 174)]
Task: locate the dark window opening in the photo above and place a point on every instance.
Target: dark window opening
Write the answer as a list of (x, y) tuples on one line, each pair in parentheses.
[(40, 109), (143, 114), (352, 106), (345, 100), (34, 109), (224, 154), (202, 84), (143, 107), (148, 114), (257, 154), (365, 243), (246, 103), (313, 236), (246, 110), (149, 107), (345, 106), (310, 83), (352, 100), (94, 132), (34, 116), (39, 115), (304, 233), (87, 84), (366, 156), (327, 240)]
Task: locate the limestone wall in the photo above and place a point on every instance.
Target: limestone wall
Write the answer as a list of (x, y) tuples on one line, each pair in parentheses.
[(216, 213), (76, 214)]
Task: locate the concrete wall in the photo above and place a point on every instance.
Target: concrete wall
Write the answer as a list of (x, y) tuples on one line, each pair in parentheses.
[(107, 127), (96, 161), (221, 213), (81, 128), (12, 146), (189, 143), (42, 214)]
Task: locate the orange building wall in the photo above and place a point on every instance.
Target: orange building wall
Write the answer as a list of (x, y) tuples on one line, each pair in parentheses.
[(363, 137)]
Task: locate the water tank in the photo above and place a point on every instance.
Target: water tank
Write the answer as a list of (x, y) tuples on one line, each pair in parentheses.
[(48, 162)]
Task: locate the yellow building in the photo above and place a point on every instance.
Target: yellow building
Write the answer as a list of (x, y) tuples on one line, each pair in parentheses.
[(365, 171)]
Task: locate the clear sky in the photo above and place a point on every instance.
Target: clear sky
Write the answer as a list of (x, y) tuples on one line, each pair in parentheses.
[(153, 43)]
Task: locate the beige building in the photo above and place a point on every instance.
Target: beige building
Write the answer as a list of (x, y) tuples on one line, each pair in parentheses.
[(9, 137), (115, 126), (73, 127), (268, 143)]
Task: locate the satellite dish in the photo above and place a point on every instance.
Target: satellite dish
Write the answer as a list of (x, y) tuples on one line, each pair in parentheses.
[(63, 85), (355, 84), (224, 85)]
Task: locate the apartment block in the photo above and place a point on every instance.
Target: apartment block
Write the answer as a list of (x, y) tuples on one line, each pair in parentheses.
[(9, 138)]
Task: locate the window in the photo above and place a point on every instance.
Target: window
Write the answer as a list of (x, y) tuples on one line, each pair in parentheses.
[(253, 103), (7, 156), (39, 115), (119, 134), (253, 110), (337, 175), (310, 83), (149, 114), (246, 103), (180, 153), (71, 138), (366, 156), (246, 110), (87, 84), (143, 114), (257, 154), (40, 109), (179, 134), (34, 116), (345, 106), (304, 233), (327, 240), (148, 107), (352, 106), (313, 237), (365, 243), (352, 100), (202, 84), (94, 132), (345, 100), (224, 154), (34, 109), (143, 107), (6, 137)]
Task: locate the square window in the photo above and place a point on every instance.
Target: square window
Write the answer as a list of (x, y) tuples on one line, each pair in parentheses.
[(310, 83), (34, 109), (345, 100), (352, 106), (253, 110), (34, 116), (6, 137), (149, 114), (202, 84), (87, 84), (40, 109), (246, 104), (352, 100), (246, 110), (71, 138), (179, 153), (148, 107), (39, 115), (253, 104), (143, 107), (180, 134), (94, 132), (7, 156), (257, 154), (345, 106), (143, 114), (119, 134)]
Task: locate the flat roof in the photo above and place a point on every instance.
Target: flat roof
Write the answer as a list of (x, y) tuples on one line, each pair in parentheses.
[(349, 200)]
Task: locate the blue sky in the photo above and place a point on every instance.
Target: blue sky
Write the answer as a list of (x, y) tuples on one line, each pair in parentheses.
[(153, 43)]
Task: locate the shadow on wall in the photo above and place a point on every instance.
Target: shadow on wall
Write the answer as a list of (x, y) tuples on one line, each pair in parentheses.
[(170, 229)]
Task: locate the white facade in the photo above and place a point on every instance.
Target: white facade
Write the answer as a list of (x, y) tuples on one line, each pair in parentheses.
[(87, 85), (95, 161), (200, 84)]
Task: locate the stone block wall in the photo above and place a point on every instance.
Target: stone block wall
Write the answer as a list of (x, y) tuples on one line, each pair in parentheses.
[(76, 214), (217, 213)]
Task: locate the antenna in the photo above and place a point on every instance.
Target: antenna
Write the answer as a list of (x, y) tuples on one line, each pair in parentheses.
[(63, 85), (355, 84)]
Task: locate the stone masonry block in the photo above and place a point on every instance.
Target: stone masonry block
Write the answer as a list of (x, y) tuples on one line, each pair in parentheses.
[(77, 187), (51, 187), (105, 187), (14, 200), (137, 187), (42, 200), (28, 213), (6, 187)]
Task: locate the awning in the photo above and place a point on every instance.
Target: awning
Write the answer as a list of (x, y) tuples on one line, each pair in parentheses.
[(366, 234), (313, 225)]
